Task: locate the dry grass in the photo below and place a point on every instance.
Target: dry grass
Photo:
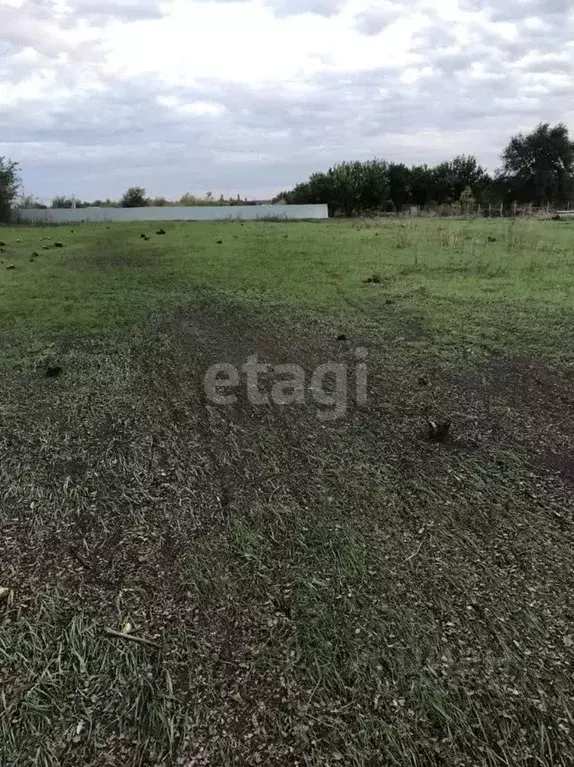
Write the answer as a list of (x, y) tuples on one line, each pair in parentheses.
[(309, 593)]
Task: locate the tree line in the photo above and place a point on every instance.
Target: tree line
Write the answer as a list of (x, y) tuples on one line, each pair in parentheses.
[(537, 168), (134, 197)]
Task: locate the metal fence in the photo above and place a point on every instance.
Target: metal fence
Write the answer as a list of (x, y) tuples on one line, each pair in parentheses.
[(498, 210), (170, 213)]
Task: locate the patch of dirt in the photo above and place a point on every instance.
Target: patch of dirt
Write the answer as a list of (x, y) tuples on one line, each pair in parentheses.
[(561, 464), (524, 406), (275, 555)]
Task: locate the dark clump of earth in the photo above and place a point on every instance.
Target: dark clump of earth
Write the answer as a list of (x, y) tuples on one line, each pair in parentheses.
[(438, 431)]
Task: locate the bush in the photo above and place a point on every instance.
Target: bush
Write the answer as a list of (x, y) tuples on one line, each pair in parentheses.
[(29, 202), (9, 183), (467, 200), (134, 197)]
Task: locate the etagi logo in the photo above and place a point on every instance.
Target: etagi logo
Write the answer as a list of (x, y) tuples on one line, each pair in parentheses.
[(332, 385)]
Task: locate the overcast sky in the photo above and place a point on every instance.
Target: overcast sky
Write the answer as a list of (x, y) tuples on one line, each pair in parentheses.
[(251, 96)]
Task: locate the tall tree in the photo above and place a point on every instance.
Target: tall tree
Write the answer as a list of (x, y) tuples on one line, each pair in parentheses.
[(134, 197), (421, 185), (9, 183), (372, 182), (450, 179), (400, 185), (377, 185), (28, 202), (60, 201), (539, 167)]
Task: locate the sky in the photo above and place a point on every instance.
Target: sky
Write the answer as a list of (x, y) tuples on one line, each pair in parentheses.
[(251, 96)]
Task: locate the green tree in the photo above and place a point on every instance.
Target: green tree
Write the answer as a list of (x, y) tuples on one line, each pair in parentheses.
[(376, 185), (400, 186), (468, 173), (9, 185), (343, 180), (450, 179), (421, 185), (134, 197), (318, 189), (188, 199), (29, 202), (61, 201), (348, 188), (539, 167), (103, 204), (371, 182), (279, 199)]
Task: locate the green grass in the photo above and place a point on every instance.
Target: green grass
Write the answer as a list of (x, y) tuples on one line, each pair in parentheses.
[(450, 279), (308, 592)]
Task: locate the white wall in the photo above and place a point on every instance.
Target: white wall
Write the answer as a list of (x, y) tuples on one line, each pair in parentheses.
[(168, 213)]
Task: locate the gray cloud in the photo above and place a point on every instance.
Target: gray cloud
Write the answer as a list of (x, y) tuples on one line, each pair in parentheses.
[(283, 8), (31, 26), (554, 63), (294, 7), (511, 10), (465, 98), (100, 11), (494, 51), (373, 22), (54, 30)]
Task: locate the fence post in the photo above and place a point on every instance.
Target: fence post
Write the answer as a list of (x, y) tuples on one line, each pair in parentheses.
[(501, 209)]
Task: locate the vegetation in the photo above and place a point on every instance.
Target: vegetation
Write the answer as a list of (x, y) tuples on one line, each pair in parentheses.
[(134, 197), (376, 185), (208, 199), (537, 168), (185, 583), (61, 201), (28, 202), (466, 289), (9, 184)]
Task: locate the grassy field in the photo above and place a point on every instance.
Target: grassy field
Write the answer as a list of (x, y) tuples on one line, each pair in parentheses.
[(185, 583)]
